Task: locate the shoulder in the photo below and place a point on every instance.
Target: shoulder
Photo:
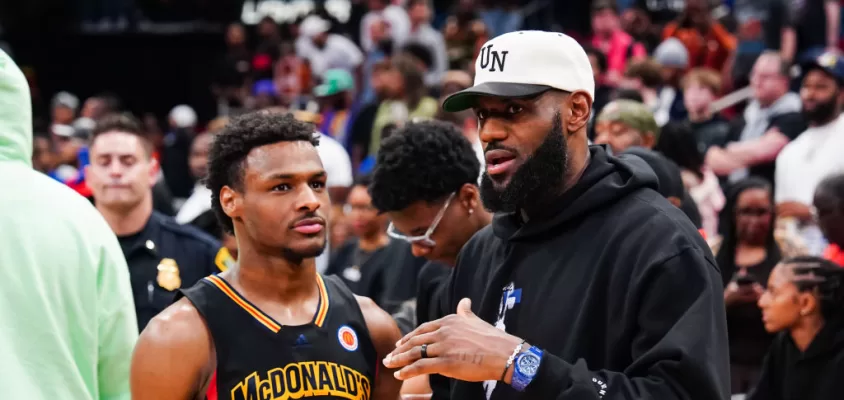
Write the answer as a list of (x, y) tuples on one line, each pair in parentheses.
[(180, 328), (187, 233), (658, 230), (381, 326)]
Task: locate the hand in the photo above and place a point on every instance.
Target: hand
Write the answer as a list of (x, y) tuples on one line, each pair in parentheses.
[(793, 209), (736, 294), (460, 346)]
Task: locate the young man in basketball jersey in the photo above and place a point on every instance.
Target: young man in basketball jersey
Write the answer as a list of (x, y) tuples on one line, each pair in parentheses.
[(271, 327)]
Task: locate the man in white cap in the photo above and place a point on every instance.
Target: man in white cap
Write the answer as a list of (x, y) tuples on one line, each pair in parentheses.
[(588, 284), (326, 50)]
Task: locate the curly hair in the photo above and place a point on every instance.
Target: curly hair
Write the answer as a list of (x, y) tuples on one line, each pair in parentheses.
[(236, 140), (424, 161), (823, 277)]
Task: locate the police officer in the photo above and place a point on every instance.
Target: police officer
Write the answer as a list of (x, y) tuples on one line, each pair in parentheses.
[(163, 256)]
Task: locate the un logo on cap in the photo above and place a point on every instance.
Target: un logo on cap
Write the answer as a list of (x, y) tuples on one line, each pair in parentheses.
[(497, 58)]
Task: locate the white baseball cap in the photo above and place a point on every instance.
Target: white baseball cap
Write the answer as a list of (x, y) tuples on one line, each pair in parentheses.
[(526, 64), (313, 25)]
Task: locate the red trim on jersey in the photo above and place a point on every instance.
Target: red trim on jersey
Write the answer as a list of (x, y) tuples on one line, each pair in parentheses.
[(211, 393)]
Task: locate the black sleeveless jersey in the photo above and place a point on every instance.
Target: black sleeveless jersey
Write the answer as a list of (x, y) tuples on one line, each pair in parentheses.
[(332, 357)]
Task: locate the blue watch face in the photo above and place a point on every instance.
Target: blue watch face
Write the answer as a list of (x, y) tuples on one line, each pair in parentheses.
[(528, 364)]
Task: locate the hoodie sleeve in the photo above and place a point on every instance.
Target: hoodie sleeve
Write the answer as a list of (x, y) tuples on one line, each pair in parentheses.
[(118, 326), (679, 350)]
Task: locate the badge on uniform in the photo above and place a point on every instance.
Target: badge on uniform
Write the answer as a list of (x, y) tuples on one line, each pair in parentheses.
[(348, 338), (352, 273), (168, 274)]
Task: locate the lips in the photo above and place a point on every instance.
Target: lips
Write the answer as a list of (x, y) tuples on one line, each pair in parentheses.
[(309, 226), (499, 161)]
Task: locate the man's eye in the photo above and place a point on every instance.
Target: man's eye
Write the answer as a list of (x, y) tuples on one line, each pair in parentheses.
[(514, 109), (482, 115), (318, 185), (282, 187)]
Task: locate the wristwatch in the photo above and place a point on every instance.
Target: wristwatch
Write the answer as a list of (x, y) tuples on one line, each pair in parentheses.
[(525, 368)]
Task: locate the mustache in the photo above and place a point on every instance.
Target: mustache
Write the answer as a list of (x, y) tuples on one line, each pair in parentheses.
[(498, 146)]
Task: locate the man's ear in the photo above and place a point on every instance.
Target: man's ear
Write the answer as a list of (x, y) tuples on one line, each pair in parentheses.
[(154, 167), (468, 196), (648, 140), (230, 202), (579, 111)]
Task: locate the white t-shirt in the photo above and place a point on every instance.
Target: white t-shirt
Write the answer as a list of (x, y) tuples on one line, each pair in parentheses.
[(335, 159), (339, 52), (397, 19), (803, 163)]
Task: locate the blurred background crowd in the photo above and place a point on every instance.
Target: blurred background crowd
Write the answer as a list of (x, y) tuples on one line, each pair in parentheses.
[(722, 91)]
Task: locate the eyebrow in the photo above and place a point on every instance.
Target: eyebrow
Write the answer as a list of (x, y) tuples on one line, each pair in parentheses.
[(313, 175)]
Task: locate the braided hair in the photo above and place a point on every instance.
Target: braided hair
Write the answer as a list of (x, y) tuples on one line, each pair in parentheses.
[(824, 278)]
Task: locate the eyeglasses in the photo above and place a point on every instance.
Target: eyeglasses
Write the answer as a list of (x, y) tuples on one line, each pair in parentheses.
[(753, 211), (424, 240)]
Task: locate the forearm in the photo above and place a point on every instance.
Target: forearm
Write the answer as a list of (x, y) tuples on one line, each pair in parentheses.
[(833, 22), (720, 162), (789, 44)]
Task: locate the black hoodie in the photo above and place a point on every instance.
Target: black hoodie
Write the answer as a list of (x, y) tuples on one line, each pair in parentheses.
[(816, 374), (615, 284)]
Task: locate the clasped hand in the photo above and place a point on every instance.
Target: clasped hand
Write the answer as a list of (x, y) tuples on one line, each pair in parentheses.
[(460, 346)]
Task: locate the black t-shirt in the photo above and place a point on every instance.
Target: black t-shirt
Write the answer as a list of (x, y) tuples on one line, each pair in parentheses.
[(712, 132), (759, 28), (387, 275), (809, 20), (789, 124)]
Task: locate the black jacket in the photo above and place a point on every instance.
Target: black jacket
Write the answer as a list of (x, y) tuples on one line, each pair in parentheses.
[(615, 284), (163, 244), (816, 374)]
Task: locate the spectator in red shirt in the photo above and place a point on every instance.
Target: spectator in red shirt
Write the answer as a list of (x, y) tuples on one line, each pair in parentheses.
[(610, 38), (708, 42)]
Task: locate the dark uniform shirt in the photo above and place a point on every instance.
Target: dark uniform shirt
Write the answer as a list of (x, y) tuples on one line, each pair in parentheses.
[(332, 357), (163, 257)]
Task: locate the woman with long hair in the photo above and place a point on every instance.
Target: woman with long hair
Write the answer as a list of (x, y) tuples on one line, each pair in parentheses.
[(746, 255), (804, 301), (677, 143)]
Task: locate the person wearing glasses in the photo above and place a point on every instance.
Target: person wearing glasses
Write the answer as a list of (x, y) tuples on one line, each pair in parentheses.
[(372, 263), (426, 182)]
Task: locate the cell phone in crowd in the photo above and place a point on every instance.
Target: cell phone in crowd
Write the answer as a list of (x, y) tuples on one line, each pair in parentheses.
[(745, 280)]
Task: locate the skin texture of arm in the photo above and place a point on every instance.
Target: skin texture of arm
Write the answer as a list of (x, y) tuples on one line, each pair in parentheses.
[(746, 153), (385, 334), (172, 360)]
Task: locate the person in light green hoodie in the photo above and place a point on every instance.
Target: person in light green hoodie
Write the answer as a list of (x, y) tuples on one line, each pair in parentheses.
[(67, 319)]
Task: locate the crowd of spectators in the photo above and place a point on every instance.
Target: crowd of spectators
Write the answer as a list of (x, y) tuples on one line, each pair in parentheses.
[(739, 101)]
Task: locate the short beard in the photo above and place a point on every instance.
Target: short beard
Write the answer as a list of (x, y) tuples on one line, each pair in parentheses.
[(823, 112), (537, 182), (297, 256)]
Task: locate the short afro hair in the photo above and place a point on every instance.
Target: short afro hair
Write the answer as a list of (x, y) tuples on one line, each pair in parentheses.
[(424, 161), (237, 139)]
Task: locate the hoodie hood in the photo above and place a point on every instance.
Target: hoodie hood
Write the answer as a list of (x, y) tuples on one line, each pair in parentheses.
[(15, 113), (606, 180)]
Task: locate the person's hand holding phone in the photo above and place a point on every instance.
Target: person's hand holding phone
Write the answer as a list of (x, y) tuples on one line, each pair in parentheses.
[(742, 290)]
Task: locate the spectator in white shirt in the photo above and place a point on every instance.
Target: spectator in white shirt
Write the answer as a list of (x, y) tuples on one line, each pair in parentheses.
[(325, 50), (817, 153), (396, 18), (423, 33)]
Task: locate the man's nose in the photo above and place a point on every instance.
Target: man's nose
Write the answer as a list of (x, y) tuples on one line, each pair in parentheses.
[(492, 131), (307, 200)]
